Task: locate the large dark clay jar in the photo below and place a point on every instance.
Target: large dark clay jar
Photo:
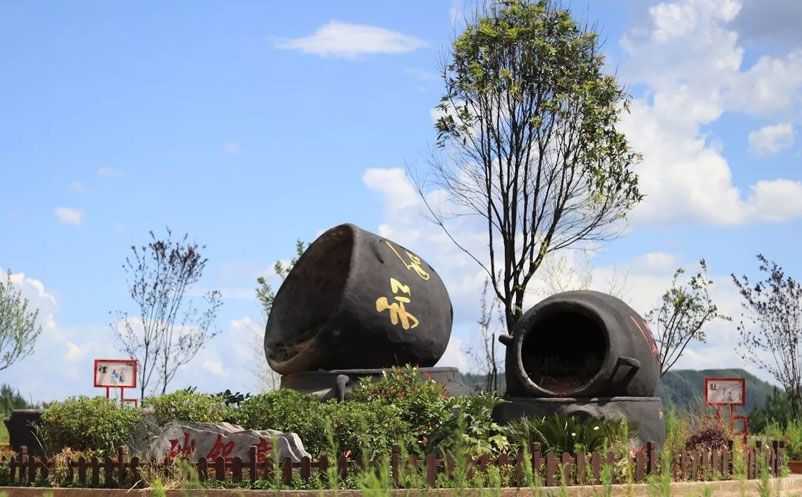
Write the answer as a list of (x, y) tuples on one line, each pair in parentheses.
[(357, 300), (581, 344)]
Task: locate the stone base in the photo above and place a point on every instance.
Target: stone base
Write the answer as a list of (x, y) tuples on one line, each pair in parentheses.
[(337, 383), (645, 412)]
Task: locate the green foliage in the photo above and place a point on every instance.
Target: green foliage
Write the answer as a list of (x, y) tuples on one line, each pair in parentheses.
[(264, 292), (777, 410), (367, 428), (563, 433), (287, 410), (527, 139), (19, 328), (791, 433), (187, 405), (683, 311), (88, 424), (435, 420), (10, 400)]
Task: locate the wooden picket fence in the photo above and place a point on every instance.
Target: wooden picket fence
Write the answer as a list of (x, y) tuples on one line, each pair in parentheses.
[(553, 470)]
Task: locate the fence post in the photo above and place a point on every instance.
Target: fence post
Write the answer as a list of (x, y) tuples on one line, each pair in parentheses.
[(431, 470), (286, 471), (203, 469), (395, 459), (323, 465), (31, 469), (595, 464), (82, 470), (122, 455), (306, 468), (342, 466), (551, 468), (776, 464), (95, 471), (640, 466), (651, 458), (22, 460), (236, 469), (253, 454), (136, 477), (70, 470), (219, 468)]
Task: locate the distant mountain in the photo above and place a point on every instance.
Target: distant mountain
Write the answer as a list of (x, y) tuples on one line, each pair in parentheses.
[(680, 389), (684, 388)]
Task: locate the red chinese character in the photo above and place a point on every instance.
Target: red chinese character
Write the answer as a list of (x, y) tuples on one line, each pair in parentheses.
[(221, 449), (181, 449), (263, 449)]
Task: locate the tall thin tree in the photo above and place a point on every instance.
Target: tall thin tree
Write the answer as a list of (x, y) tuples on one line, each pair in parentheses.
[(168, 329), (19, 327), (771, 327), (528, 142)]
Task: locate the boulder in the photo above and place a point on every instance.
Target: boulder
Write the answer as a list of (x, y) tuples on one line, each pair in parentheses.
[(213, 440)]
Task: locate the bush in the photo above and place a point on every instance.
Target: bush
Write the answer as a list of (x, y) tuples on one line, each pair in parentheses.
[(435, 420), (564, 433), (709, 436), (777, 409), (287, 410), (189, 406), (82, 423), (367, 429)]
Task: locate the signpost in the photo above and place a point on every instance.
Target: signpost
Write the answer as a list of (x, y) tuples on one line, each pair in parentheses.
[(728, 392), (116, 373)]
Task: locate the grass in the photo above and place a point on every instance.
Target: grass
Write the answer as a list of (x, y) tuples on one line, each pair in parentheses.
[(3, 434)]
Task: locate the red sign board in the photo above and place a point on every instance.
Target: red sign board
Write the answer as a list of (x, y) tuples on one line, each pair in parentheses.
[(725, 391), (115, 373)]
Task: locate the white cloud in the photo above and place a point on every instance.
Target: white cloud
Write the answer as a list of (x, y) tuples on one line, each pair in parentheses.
[(76, 186), (216, 368), (689, 59), (640, 281), (771, 139), (454, 356), (341, 39), (107, 172), (75, 352), (66, 215)]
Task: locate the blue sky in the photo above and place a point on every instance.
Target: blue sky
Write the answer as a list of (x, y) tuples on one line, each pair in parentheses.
[(252, 124)]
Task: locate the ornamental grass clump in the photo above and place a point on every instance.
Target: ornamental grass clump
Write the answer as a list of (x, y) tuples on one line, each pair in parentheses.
[(565, 433)]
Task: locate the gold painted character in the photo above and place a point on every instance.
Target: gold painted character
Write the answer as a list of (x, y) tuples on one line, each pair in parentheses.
[(398, 311), (414, 262)]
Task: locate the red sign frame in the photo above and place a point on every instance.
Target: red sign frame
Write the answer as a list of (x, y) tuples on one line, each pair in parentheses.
[(130, 362), (742, 382)]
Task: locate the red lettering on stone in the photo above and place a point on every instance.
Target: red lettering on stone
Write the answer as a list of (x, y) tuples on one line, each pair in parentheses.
[(177, 448), (221, 449)]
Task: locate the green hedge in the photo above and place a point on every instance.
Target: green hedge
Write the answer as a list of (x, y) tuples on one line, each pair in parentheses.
[(401, 408), (186, 405), (88, 424)]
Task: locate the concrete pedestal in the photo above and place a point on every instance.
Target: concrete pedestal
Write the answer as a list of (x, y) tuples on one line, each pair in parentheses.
[(645, 412)]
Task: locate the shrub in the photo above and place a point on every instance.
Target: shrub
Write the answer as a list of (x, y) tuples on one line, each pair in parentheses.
[(710, 436), (565, 433), (435, 420), (87, 424), (189, 406), (368, 429), (287, 410)]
